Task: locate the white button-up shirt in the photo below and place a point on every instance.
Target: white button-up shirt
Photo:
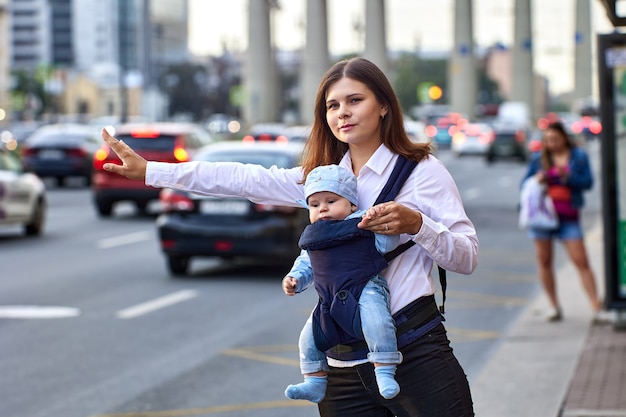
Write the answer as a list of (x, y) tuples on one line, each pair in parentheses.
[(447, 236)]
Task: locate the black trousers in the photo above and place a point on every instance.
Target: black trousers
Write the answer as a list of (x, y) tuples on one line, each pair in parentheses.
[(432, 384)]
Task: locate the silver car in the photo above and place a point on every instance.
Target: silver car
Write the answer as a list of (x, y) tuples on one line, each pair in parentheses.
[(22, 194)]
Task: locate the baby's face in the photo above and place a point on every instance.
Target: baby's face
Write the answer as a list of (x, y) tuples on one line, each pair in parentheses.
[(329, 206)]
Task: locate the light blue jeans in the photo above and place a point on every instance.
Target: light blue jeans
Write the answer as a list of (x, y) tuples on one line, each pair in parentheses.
[(376, 322)]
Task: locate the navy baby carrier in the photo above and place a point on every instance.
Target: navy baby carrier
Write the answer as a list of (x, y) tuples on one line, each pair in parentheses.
[(344, 258)]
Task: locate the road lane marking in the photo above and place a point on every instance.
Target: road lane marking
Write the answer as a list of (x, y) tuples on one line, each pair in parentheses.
[(156, 304), (37, 312), (215, 410), (257, 353), (122, 240), (458, 335)]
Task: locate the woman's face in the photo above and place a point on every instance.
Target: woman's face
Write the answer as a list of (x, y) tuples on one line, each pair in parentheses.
[(553, 140), (353, 113)]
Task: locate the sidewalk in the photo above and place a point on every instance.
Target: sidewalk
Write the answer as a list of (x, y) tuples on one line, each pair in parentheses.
[(566, 369)]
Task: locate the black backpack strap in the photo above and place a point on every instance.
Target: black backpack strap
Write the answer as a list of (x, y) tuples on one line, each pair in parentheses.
[(398, 177)]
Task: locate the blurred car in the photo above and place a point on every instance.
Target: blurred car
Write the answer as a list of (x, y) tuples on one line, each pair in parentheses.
[(442, 129), (192, 225), (163, 142), (589, 127), (297, 133), (61, 151), (416, 131), (508, 143), (266, 132), (472, 138), (22, 194), (222, 124)]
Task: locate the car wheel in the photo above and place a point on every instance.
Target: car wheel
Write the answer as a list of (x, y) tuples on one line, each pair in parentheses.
[(490, 159), (104, 208), (142, 207), (178, 265), (35, 227)]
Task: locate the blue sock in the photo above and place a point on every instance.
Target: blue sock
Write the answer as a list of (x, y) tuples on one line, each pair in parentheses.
[(387, 385), (313, 389)]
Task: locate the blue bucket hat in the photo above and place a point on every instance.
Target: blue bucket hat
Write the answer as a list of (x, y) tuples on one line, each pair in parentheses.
[(333, 178)]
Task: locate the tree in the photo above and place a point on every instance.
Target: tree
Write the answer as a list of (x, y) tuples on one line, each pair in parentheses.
[(411, 71)]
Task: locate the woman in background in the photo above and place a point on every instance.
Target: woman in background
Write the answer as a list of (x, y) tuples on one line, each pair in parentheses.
[(564, 168)]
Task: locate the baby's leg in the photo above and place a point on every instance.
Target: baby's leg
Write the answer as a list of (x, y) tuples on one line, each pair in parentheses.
[(313, 366), (380, 334)]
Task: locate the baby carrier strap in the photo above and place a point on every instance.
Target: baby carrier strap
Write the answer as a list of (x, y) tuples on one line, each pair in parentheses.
[(401, 172)]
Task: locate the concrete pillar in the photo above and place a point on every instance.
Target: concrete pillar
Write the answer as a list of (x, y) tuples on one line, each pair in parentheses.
[(462, 63), (315, 61), (523, 76), (582, 52), (375, 38), (260, 75), (5, 61)]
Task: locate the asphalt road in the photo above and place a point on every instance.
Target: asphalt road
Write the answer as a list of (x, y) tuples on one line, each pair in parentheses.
[(91, 324)]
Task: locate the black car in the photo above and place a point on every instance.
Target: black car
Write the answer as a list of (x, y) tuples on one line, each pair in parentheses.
[(508, 143), (198, 226), (61, 151)]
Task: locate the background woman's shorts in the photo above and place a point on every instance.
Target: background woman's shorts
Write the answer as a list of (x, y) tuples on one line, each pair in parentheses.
[(565, 231)]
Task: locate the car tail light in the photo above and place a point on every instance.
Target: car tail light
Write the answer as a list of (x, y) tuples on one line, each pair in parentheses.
[(102, 156), (223, 245), (168, 244), (577, 127), (29, 152), (431, 131), (248, 139), (595, 127), (268, 208), (534, 145), (172, 200), (282, 139), (486, 138), (180, 153), (77, 152), (145, 133), (265, 137)]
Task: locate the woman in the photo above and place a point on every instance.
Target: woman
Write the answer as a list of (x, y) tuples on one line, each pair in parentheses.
[(358, 124), (564, 169)]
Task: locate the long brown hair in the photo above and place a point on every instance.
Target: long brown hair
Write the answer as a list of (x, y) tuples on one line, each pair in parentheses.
[(323, 148), (546, 154)]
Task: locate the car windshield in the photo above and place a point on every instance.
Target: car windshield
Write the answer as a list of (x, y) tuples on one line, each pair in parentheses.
[(64, 138), (265, 159)]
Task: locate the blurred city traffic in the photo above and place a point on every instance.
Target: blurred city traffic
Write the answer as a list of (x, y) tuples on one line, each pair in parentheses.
[(93, 323)]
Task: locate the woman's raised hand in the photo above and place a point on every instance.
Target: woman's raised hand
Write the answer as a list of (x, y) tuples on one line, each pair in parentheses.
[(133, 166)]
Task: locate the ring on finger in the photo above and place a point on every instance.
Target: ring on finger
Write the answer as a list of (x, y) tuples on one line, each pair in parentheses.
[(386, 227)]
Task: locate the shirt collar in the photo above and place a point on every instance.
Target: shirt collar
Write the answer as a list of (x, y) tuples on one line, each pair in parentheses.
[(377, 163)]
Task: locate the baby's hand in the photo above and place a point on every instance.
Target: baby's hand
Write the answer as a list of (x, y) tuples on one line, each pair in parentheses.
[(373, 212), (289, 285)]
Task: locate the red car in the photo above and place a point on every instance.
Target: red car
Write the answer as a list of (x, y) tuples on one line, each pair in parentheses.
[(163, 142)]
